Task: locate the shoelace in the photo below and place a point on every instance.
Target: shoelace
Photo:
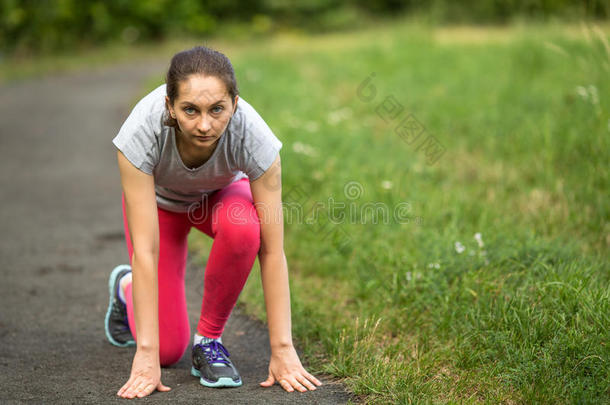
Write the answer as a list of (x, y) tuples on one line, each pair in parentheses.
[(213, 352)]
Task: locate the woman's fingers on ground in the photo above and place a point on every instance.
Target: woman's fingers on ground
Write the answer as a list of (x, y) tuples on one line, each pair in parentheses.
[(293, 383), (285, 385), (147, 390), (297, 384), (124, 387), (142, 386), (304, 381), (132, 390), (312, 378)]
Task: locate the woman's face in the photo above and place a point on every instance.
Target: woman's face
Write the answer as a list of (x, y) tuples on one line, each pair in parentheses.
[(202, 109)]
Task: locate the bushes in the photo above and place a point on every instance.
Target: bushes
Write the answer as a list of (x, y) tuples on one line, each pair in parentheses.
[(50, 25), (60, 24)]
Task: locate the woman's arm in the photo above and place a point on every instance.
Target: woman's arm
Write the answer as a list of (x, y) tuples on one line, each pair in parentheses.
[(285, 366), (140, 206), (274, 274), (141, 209)]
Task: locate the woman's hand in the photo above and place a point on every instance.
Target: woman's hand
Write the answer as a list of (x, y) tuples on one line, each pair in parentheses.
[(145, 375), (286, 368)]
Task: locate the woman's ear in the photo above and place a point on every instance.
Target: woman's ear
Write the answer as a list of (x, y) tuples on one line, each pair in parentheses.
[(235, 104), (169, 108)]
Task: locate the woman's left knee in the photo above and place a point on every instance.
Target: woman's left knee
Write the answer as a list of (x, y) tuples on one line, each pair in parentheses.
[(239, 225)]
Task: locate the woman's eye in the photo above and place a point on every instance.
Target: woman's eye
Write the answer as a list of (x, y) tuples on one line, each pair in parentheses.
[(219, 109), (188, 110)]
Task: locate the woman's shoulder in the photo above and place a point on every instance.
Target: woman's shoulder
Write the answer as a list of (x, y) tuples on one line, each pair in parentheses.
[(245, 110), (153, 102), (246, 118), (149, 113), (250, 128), (142, 135), (256, 146)]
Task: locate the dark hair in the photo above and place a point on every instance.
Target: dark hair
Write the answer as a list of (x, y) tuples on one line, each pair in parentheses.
[(198, 60)]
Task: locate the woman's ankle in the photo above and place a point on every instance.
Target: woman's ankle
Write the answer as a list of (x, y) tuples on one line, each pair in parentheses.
[(123, 283)]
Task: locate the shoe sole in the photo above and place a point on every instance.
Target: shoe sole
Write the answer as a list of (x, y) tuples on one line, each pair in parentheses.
[(111, 281), (222, 382)]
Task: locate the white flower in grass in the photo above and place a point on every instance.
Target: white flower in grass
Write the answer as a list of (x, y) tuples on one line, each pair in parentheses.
[(582, 92), (459, 248), (477, 237), (386, 184), (434, 265), (588, 93), (408, 276), (304, 149), (334, 117)]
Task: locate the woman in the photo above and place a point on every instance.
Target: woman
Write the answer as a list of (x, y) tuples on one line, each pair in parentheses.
[(192, 153)]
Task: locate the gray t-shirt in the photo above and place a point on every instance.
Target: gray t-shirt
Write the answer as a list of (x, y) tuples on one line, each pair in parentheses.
[(247, 148)]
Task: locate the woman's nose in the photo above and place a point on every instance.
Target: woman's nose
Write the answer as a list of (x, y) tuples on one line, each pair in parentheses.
[(204, 124)]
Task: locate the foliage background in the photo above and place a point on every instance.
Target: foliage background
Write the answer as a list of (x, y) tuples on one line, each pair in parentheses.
[(39, 26)]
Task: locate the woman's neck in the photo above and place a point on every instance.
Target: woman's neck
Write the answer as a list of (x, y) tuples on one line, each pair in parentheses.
[(193, 157)]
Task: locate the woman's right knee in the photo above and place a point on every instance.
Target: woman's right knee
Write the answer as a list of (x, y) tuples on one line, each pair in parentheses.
[(170, 352), (174, 328)]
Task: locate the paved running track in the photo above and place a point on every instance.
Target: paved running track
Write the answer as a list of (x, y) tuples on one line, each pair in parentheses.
[(62, 235)]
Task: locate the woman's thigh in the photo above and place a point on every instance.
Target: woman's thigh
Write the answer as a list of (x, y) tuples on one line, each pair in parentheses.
[(173, 232), (231, 207)]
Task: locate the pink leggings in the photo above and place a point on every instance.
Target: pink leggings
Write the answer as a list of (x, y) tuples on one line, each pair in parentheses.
[(229, 217)]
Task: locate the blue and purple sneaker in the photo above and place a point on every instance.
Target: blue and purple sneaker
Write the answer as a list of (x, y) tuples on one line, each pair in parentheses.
[(212, 365), (115, 323)]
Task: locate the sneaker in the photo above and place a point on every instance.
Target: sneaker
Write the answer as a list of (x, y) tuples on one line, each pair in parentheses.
[(115, 323), (212, 365)]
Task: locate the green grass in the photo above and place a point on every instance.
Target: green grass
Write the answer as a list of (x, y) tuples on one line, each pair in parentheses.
[(394, 309), (523, 319)]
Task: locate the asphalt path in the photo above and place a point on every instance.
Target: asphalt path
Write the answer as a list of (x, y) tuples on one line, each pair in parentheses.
[(61, 236)]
